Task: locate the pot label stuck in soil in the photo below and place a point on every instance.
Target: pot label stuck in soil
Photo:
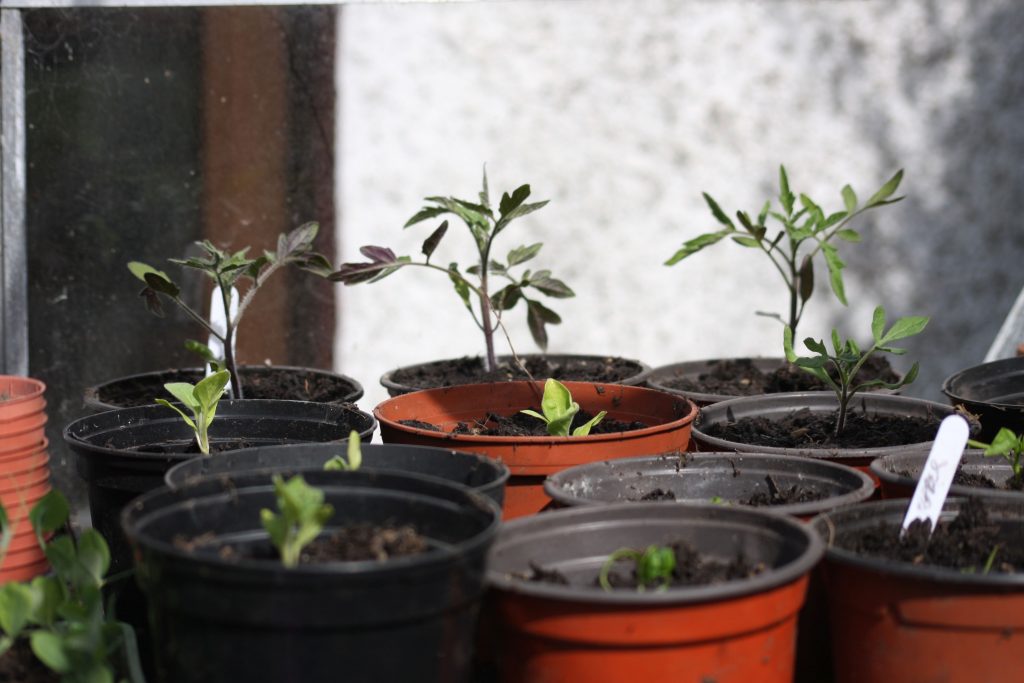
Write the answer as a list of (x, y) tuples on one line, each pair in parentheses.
[(937, 475)]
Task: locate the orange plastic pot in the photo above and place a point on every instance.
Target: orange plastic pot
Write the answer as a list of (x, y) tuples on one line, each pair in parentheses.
[(736, 631), (20, 397), (27, 473), (531, 459), (15, 457), (22, 434), (906, 623), (23, 572)]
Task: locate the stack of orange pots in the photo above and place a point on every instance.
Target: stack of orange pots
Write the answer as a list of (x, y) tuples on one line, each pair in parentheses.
[(24, 472)]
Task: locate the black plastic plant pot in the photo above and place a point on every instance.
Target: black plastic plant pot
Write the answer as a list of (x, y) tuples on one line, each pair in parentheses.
[(478, 473), (238, 615), (297, 384), (778, 406), (899, 472), (725, 478), (123, 453), (573, 630), (606, 369), (659, 377), (992, 391), (906, 622)]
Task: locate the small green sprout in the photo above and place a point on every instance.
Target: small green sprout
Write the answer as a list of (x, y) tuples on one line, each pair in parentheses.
[(301, 519), (654, 567), (806, 231), (848, 358), (718, 500), (559, 411), (1011, 447), (355, 456), (61, 614), (201, 399)]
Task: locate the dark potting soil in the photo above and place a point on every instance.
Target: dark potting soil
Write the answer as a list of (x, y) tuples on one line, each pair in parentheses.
[(806, 429), (978, 481), (966, 542), (655, 495), (191, 446), (470, 370), (293, 384), (526, 425), (740, 377), (356, 542), (692, 569), (19, 665), (783, 495)]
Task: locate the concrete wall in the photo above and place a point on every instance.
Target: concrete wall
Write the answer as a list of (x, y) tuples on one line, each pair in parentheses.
[(621, 113)]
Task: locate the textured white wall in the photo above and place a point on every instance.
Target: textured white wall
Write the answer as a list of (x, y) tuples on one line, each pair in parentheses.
[(621, 113)]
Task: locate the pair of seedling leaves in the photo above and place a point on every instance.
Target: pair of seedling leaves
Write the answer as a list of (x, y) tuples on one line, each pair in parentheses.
[(484, 226), (228, 270), (62, 614), (806, 231), (559, 410), (1009, 446)]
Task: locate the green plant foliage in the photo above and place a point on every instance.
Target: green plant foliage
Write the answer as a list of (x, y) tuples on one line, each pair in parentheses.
[(227, 270), (202, 399), (847, 358), (559, 411), (354, 459), (484, 225), (301, 516), (806, 231), (1009, 446), (654, 567), (61, 615)]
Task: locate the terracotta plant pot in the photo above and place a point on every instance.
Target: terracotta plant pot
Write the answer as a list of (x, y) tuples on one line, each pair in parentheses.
[(992, 391), (532, 458), (901, 622), (781, 405), (248, 618), (20, 397), (480, 474), (899, 472), (409, 378), (141, 389), (737, 631), (696, 479)]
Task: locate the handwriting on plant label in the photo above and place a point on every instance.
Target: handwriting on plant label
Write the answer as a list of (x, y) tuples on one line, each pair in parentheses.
[(937, 475)]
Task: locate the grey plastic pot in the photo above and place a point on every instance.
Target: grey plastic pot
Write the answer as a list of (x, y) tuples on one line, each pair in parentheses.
[(139, 390), (902, 622), (899, 472), (741, 630), (693, 369), (478, 473), (698, 478), (781, 405), (245, 617), (403, 380), (992, 391)]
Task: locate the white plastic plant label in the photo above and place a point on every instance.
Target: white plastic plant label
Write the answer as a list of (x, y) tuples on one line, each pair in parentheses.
[(937, 475), (218, 320)]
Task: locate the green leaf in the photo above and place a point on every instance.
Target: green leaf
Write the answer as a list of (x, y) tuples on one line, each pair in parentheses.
[(201, 350), (905, 327), (746, 241), (186, 418), (15, 607), (584, 429), (537, 316), (460, 284), (849, 199), (694, 245), (835, 272), (878, 324), (209, 390), (355, 451), (430, 244), (425, 213), (785, 196), (523, 254), (1005, 442), (848, 235), (805, 277), (485, 191), (94, 554), (184, 392), (49, 514), (553, 287), (886, 190), (787, 344), (507, 297), (510, 203), (763, 215), (162, 284), (816, 346), (717, 212), (49, 648)]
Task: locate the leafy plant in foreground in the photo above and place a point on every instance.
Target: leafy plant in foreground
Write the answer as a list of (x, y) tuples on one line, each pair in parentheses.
[(1009, 446), (202, 399), (484, 226), (559, 411), (61, 614), (654, 566), (301, 516), (805, 232), (228, 270), (354, 459), (847, 358)]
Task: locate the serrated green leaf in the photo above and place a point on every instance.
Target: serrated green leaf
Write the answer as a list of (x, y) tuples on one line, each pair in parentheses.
[(717, 212), (511, 202), (523, 254), (905, 327), (815, 345)]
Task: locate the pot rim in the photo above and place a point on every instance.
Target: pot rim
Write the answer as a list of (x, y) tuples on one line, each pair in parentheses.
[(221, 489), (949, 390), (642, 464), (577, 519), (880, 468), (677, 423), (893, 510)]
